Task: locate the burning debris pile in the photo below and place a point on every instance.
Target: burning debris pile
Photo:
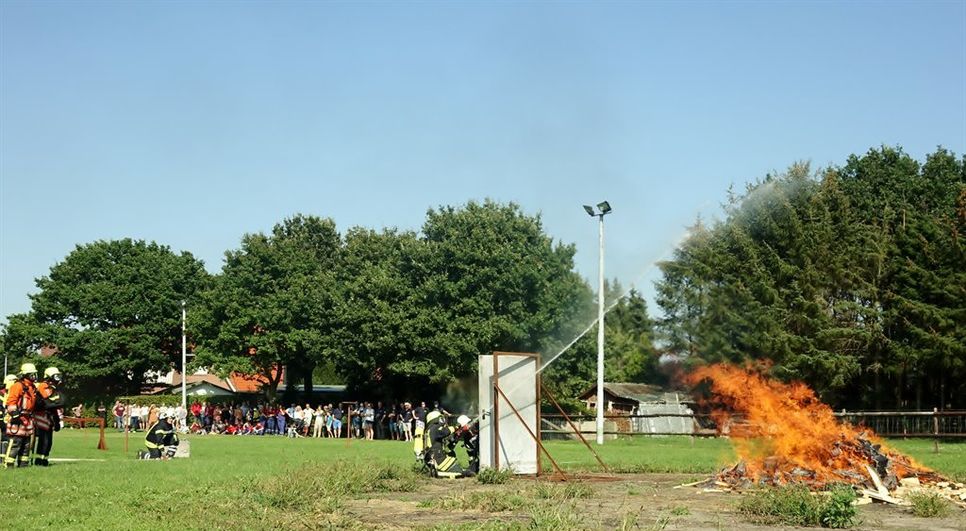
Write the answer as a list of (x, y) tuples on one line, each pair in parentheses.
[(865, 456), (784, 434)]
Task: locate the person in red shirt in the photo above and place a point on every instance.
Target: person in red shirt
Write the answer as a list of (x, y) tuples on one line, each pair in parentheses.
[(119, 416)]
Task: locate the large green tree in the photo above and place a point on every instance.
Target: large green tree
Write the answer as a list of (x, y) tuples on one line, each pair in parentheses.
[(630, 354), (850, 279), (420, 308), (498, 281), (272, 305), (112, 310), (917, 214), (386, 329)]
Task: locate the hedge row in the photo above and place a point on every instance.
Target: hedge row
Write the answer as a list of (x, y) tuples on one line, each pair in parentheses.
[(147, 400)]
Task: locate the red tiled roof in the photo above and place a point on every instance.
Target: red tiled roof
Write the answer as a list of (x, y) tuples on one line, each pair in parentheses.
[(249, 383)]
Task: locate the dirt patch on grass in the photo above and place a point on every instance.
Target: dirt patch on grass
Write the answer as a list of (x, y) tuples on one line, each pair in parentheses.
[(634, 501)]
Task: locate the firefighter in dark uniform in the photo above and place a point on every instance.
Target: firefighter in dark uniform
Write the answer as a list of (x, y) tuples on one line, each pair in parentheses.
[(440, 453), (20, 403), (161, 440), (47, 414), (468, 433)]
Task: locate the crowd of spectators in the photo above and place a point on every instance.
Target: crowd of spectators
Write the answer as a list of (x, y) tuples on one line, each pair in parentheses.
[(362, 420), (137, 418)]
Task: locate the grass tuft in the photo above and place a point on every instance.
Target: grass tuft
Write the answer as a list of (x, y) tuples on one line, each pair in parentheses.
[(488, 525), (629, 519), (680, 510), (556, 516), (796, 505), (928, 504), (565, 491), (492, 476), (487, 501)]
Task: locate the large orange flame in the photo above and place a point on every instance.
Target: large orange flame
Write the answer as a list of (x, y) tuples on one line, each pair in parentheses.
[(783, 432)]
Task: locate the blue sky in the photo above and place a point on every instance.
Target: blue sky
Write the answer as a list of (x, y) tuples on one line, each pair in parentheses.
[(191, 123)]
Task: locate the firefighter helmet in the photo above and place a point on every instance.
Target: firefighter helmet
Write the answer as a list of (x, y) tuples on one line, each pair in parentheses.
[(432, 416), (9, 380), (52, 373), (463, 420), (28, 370)]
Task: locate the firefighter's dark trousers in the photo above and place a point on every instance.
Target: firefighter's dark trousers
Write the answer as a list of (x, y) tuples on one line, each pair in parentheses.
[(45, 441), (18, 451), (449, 468)]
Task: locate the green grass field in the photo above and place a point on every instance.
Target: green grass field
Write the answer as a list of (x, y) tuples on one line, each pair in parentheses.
[(261, 482), (951, 459), (644, 454)]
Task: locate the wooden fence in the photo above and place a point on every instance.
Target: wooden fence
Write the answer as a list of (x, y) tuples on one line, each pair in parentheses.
[(933, 424), (555, 425), (920, 424)]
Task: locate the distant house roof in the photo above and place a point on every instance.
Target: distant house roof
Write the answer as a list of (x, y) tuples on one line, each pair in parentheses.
[(47, 350), (202, 388), (643, 393), (250, 383), (194, 379)]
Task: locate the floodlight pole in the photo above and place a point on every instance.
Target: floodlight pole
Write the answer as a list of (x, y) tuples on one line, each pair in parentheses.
[(184, 360), (603, 208), (600, 336)]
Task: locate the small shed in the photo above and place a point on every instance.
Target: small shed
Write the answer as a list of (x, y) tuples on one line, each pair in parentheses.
[(621, 398), (649, 408)]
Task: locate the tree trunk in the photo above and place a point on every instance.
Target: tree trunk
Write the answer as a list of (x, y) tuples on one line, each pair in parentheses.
[(942, 390), (271, 394), (876, 390), (899, 389), (274, 377), (307, 383), (919, 393)]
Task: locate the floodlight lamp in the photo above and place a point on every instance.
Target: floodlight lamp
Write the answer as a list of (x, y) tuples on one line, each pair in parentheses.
[(604, 207), (590, 210)]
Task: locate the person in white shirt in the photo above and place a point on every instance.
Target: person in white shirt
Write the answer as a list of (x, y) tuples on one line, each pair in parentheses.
[(182, 417), (320, 414), (308, 414), (135, 418), (368, 417)]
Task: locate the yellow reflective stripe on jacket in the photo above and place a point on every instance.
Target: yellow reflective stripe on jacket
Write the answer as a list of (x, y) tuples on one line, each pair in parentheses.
[(157, 435)]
